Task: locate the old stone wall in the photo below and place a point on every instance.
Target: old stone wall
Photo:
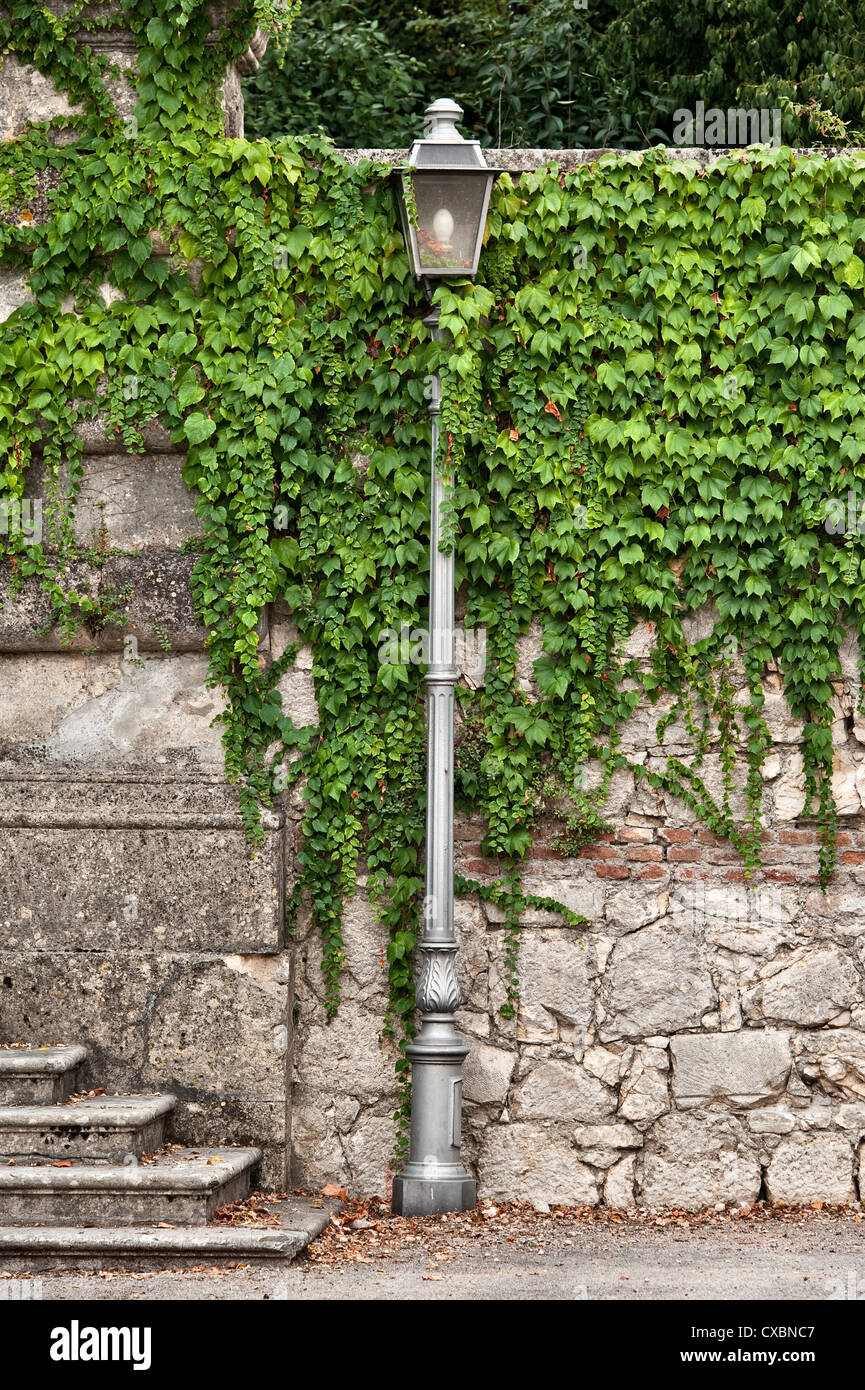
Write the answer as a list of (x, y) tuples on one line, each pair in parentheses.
[(131, 916), (699, 1041)]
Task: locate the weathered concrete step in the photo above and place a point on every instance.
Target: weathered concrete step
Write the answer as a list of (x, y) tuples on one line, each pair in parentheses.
[(145, 1247), (101, 1129), (183, 1187), (39, 1075)]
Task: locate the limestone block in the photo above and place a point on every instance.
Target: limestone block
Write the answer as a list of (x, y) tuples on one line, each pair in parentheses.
[(772, 1119), (523, 1162), (605, 1065), (13, 289), (146, 889), (846, 783), (699, 624), (658, 981), (97, 437), (811, 1167), (159, 609), (640, 731), (130, 501), (473, 962), (575, 888), (602, 1145), (101, 710), (771, 768), (365, 941), (843, 907), (317, 1155), (25, 616), (487, 1073), (346, 1056), (743, 1067), (783, 728), (754, 922), (609, 1136), (635, 906), (850, 657), (815, 987), (851, 1118), (696, 1160), (712, 773), (789, 789), (530, 648), (562, 1091), (556, 984), (369, 1151), (619, 1184), (837, 1057), (27, 95), (476, 1024), (621, 795), (644, 1094), (641, 642), (297, 688)]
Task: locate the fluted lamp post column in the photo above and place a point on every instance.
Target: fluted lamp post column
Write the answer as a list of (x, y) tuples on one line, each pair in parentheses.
[(444, 193)]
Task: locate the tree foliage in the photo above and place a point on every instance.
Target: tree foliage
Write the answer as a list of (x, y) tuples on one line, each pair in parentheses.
[(549, 74)]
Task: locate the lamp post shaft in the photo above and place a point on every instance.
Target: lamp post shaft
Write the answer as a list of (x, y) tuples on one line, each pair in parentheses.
[(434, 1179)]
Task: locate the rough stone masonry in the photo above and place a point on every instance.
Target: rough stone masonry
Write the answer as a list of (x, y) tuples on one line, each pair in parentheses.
[(700, 1042), (697, 1043)]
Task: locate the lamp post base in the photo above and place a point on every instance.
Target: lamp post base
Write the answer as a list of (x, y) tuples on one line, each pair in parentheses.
[(435, 1180), (420, 1196)]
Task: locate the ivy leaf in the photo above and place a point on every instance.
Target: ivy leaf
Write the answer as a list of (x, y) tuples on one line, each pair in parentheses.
[(187, 394), (198, 427)]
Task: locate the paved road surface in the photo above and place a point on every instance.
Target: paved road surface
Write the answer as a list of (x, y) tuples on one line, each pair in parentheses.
[(776, 1259)]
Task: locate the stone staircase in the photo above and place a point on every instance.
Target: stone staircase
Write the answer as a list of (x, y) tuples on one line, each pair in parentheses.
[(85, 1180)]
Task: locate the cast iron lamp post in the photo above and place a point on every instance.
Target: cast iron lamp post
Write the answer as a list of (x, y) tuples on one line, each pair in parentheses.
[(444, 193)]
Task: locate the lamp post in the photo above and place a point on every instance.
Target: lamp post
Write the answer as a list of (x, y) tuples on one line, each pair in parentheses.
[(444, 195)]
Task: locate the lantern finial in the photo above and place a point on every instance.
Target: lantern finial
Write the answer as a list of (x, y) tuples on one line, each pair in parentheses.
[(440, 121)]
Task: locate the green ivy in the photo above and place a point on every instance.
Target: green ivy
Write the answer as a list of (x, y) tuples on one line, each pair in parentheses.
[(601, 469)]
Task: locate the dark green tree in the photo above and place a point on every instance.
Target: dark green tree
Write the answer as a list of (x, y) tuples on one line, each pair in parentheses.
[(552, 74)]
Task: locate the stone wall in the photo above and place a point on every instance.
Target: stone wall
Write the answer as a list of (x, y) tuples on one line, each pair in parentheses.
[(701, 1041), (696, 1043), (131, 917)]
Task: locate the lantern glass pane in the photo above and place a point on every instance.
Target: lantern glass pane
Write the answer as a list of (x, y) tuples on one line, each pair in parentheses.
[(449, 209)]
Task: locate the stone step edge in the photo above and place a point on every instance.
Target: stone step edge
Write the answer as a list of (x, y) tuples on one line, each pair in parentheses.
[(185, 1171), (104, 1112), (38, 1061), (133, 1240), (41, 1247)]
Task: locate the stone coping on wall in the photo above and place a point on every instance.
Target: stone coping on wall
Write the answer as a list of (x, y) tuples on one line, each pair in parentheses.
[(523, 161)]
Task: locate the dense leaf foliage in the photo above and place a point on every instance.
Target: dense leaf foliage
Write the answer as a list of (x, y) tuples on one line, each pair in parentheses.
[(603, 467), (555, 73)]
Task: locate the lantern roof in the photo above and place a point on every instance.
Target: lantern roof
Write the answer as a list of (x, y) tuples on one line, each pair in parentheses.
[(442, 146)]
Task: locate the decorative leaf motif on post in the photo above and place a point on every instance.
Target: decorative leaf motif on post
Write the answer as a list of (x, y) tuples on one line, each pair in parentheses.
[(438, 990)]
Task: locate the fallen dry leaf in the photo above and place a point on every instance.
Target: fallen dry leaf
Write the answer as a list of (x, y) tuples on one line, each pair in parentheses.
[(364, 1230)]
